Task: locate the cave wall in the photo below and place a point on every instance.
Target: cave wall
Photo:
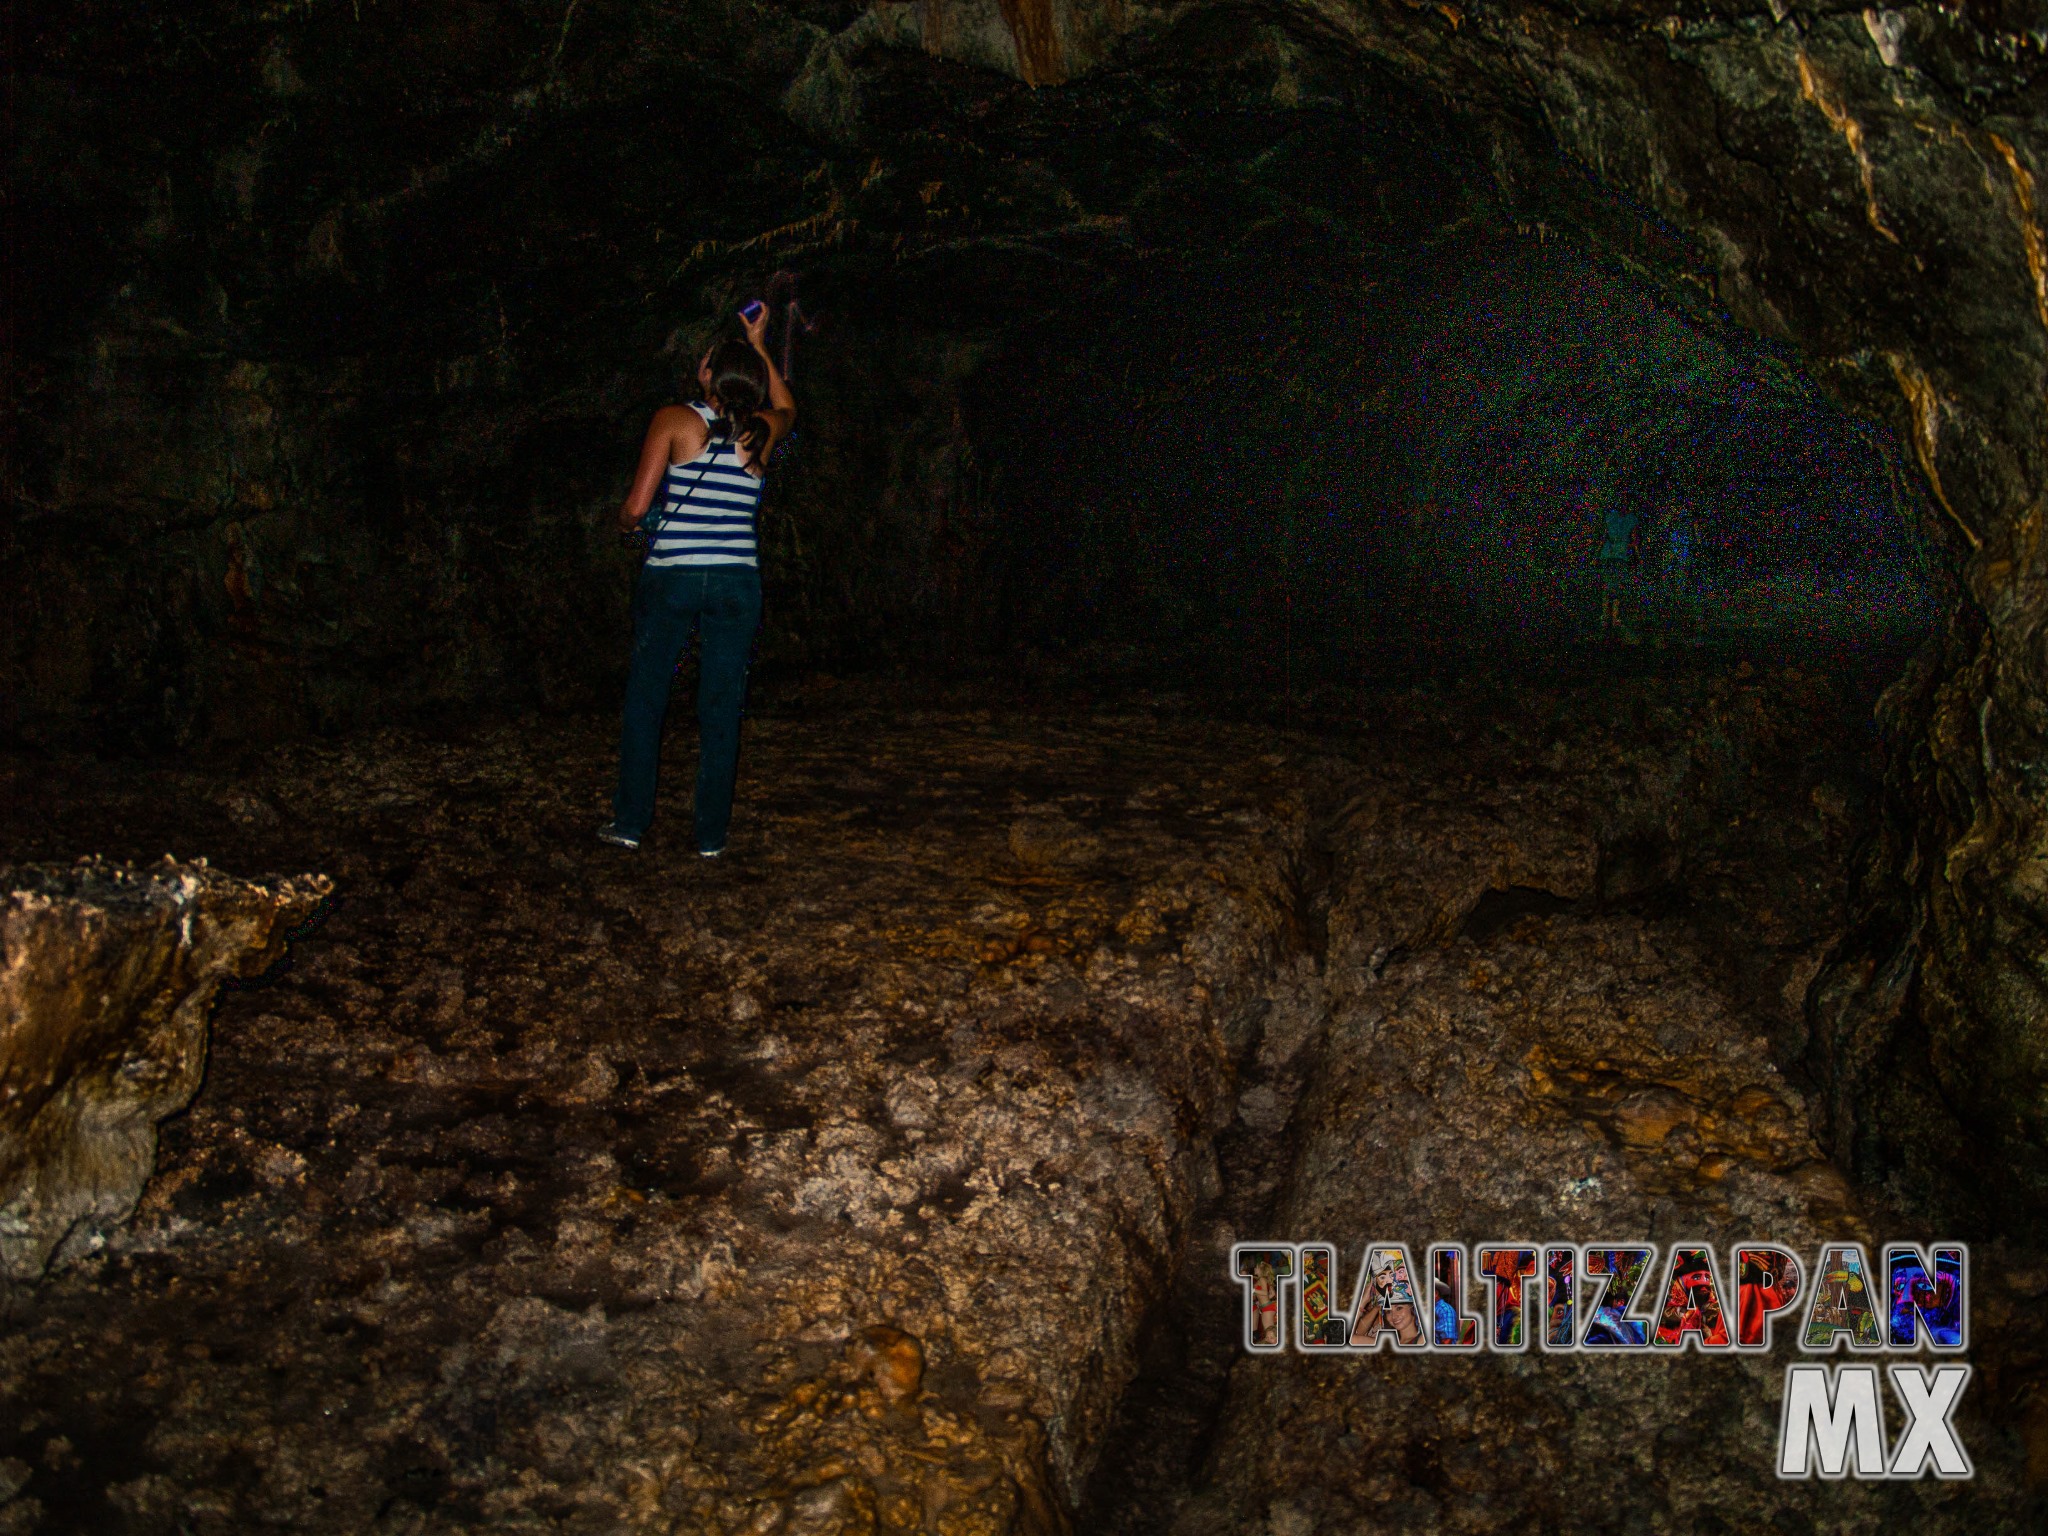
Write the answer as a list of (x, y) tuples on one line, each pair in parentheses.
[(331, 331), (1863, 186), (335, 330), (332, 334)]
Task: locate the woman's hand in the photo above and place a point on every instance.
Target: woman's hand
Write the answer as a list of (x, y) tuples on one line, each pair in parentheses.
[(757, 330)]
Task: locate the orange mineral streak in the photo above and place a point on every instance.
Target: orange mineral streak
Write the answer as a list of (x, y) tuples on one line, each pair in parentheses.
[(1852, 134), (2027, 532), (1926, 406), (2030, 224), (1040, 58)]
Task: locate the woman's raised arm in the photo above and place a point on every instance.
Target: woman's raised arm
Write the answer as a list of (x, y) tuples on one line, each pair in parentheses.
[(780, 412)]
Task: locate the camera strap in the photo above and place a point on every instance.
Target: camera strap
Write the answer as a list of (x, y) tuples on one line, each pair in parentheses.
[(656, 517)]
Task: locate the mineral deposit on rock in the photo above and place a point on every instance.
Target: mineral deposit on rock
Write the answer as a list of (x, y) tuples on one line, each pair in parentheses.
[(107, 973)]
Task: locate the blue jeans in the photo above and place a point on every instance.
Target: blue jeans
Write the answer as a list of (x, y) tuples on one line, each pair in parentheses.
[(724, 603)]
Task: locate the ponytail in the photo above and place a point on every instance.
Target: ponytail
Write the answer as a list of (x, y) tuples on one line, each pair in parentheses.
[(739, 382), (745, 432)]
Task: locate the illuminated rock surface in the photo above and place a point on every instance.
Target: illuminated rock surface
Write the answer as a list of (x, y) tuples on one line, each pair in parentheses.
[(107, 974), (554, 1179), (842, 1184)]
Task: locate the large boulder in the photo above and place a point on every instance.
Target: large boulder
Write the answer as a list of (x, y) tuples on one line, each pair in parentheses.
[(107, 975)]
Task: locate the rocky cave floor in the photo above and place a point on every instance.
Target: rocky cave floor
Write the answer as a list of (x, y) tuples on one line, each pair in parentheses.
[(881, 1176)]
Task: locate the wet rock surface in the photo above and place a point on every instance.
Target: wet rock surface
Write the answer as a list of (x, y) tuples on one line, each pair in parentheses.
[(873, 1178), (553, 1187), (1563, 991), (1572, 1077), (107, 974)]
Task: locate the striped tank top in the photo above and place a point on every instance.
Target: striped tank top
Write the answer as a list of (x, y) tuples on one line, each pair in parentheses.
[(704, 511)]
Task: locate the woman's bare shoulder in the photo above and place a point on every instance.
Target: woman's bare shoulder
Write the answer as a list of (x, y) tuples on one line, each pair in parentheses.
[(680, 427)]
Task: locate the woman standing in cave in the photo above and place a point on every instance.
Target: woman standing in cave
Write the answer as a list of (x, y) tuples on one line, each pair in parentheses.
[(708, 460)]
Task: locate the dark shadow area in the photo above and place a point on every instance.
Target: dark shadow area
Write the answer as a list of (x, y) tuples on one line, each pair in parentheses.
[(1237, 364), (1485, 452)]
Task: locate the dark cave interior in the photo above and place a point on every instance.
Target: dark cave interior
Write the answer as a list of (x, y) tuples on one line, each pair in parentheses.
[(1149, 361), (1422, 618)]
